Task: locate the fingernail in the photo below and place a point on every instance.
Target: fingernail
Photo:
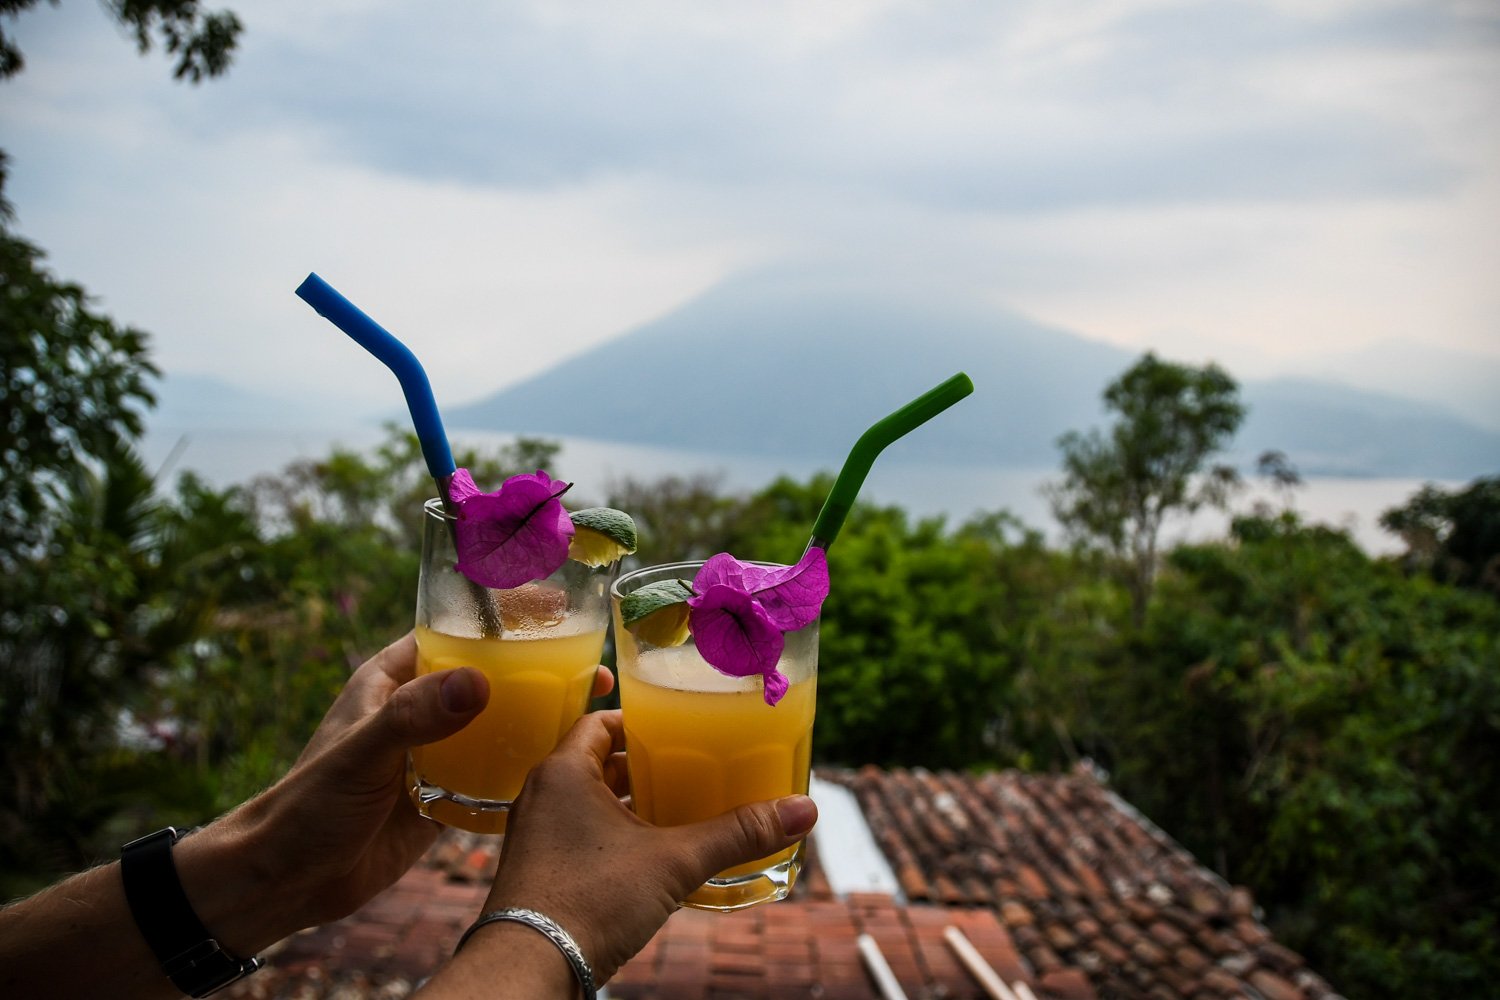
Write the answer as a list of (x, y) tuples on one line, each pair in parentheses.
[(458, 691), (797, 814)]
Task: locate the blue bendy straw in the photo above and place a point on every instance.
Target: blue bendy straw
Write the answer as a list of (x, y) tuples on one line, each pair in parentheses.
[(400, 360)]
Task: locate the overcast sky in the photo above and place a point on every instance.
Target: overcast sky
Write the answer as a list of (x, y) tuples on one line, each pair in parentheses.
[(1281, 186)]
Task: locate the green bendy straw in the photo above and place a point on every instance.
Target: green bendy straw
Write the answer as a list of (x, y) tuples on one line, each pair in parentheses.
[(871, 443)]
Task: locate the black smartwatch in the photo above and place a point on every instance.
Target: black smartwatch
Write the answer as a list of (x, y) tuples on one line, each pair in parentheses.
[(188, 953)]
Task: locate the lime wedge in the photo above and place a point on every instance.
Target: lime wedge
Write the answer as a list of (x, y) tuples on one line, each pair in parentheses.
[(658, 612), (601, 535)]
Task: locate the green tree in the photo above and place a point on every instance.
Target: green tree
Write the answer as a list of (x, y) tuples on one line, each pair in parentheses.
[(90, 622), (73, 387), (75, 536), (1117, 490), (1453, 535), (75, 383), (1323, 727)]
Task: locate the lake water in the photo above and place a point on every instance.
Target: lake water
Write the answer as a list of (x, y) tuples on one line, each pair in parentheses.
[(228, 456)]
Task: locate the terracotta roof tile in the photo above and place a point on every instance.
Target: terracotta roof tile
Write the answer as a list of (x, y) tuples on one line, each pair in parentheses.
[(1067, 984), (1054, 880), (1082, 880)]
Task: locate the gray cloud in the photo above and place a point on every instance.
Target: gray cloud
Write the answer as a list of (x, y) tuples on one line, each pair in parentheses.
[(1170, 106), (1139, 170)]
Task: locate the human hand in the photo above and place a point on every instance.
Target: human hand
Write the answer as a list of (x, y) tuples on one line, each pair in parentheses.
[(338, 827), (576, 853)]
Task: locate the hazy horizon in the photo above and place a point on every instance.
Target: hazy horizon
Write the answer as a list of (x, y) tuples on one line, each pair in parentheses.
[(226, 457)]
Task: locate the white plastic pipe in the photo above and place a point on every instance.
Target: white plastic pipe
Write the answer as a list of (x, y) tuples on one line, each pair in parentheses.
[(885, 979), (981, 970)]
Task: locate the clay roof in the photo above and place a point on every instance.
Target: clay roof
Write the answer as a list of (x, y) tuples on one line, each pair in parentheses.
[(1055, 881), (1080, 880)]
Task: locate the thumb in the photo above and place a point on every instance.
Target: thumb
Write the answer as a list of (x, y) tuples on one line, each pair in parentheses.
[(748, 833), (424, 710)]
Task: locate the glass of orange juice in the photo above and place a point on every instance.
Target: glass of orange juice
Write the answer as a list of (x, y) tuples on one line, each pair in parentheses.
[(539, 646), (699, 742)]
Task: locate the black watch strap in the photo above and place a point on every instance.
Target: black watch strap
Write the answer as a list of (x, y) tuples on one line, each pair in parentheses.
[(188, 953)]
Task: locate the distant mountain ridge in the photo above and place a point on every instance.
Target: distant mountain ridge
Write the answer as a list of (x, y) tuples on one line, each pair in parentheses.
[(1464, 380), (762, 366), (1337, 430), (782, 363)]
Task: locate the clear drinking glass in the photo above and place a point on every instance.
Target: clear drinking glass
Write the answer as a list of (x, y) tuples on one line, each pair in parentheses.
[(699, 742), (539, 645)]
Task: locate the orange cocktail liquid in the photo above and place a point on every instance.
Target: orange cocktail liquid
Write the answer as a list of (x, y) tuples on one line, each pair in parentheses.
[(700, 743), (539, 686)]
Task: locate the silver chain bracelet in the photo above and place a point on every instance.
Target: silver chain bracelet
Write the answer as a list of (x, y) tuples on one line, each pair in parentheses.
[(555, 934)]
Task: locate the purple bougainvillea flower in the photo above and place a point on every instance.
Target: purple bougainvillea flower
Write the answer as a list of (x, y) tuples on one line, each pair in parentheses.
[(514, 535), (461, 486), (793, 595), (726, 569), (736, 636), (775, 686), (741, 612)]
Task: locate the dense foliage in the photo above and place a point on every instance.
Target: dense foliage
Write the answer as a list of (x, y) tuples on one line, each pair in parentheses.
[(83, 611), (1313, 722), (1327, 730), (1454, 536)]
